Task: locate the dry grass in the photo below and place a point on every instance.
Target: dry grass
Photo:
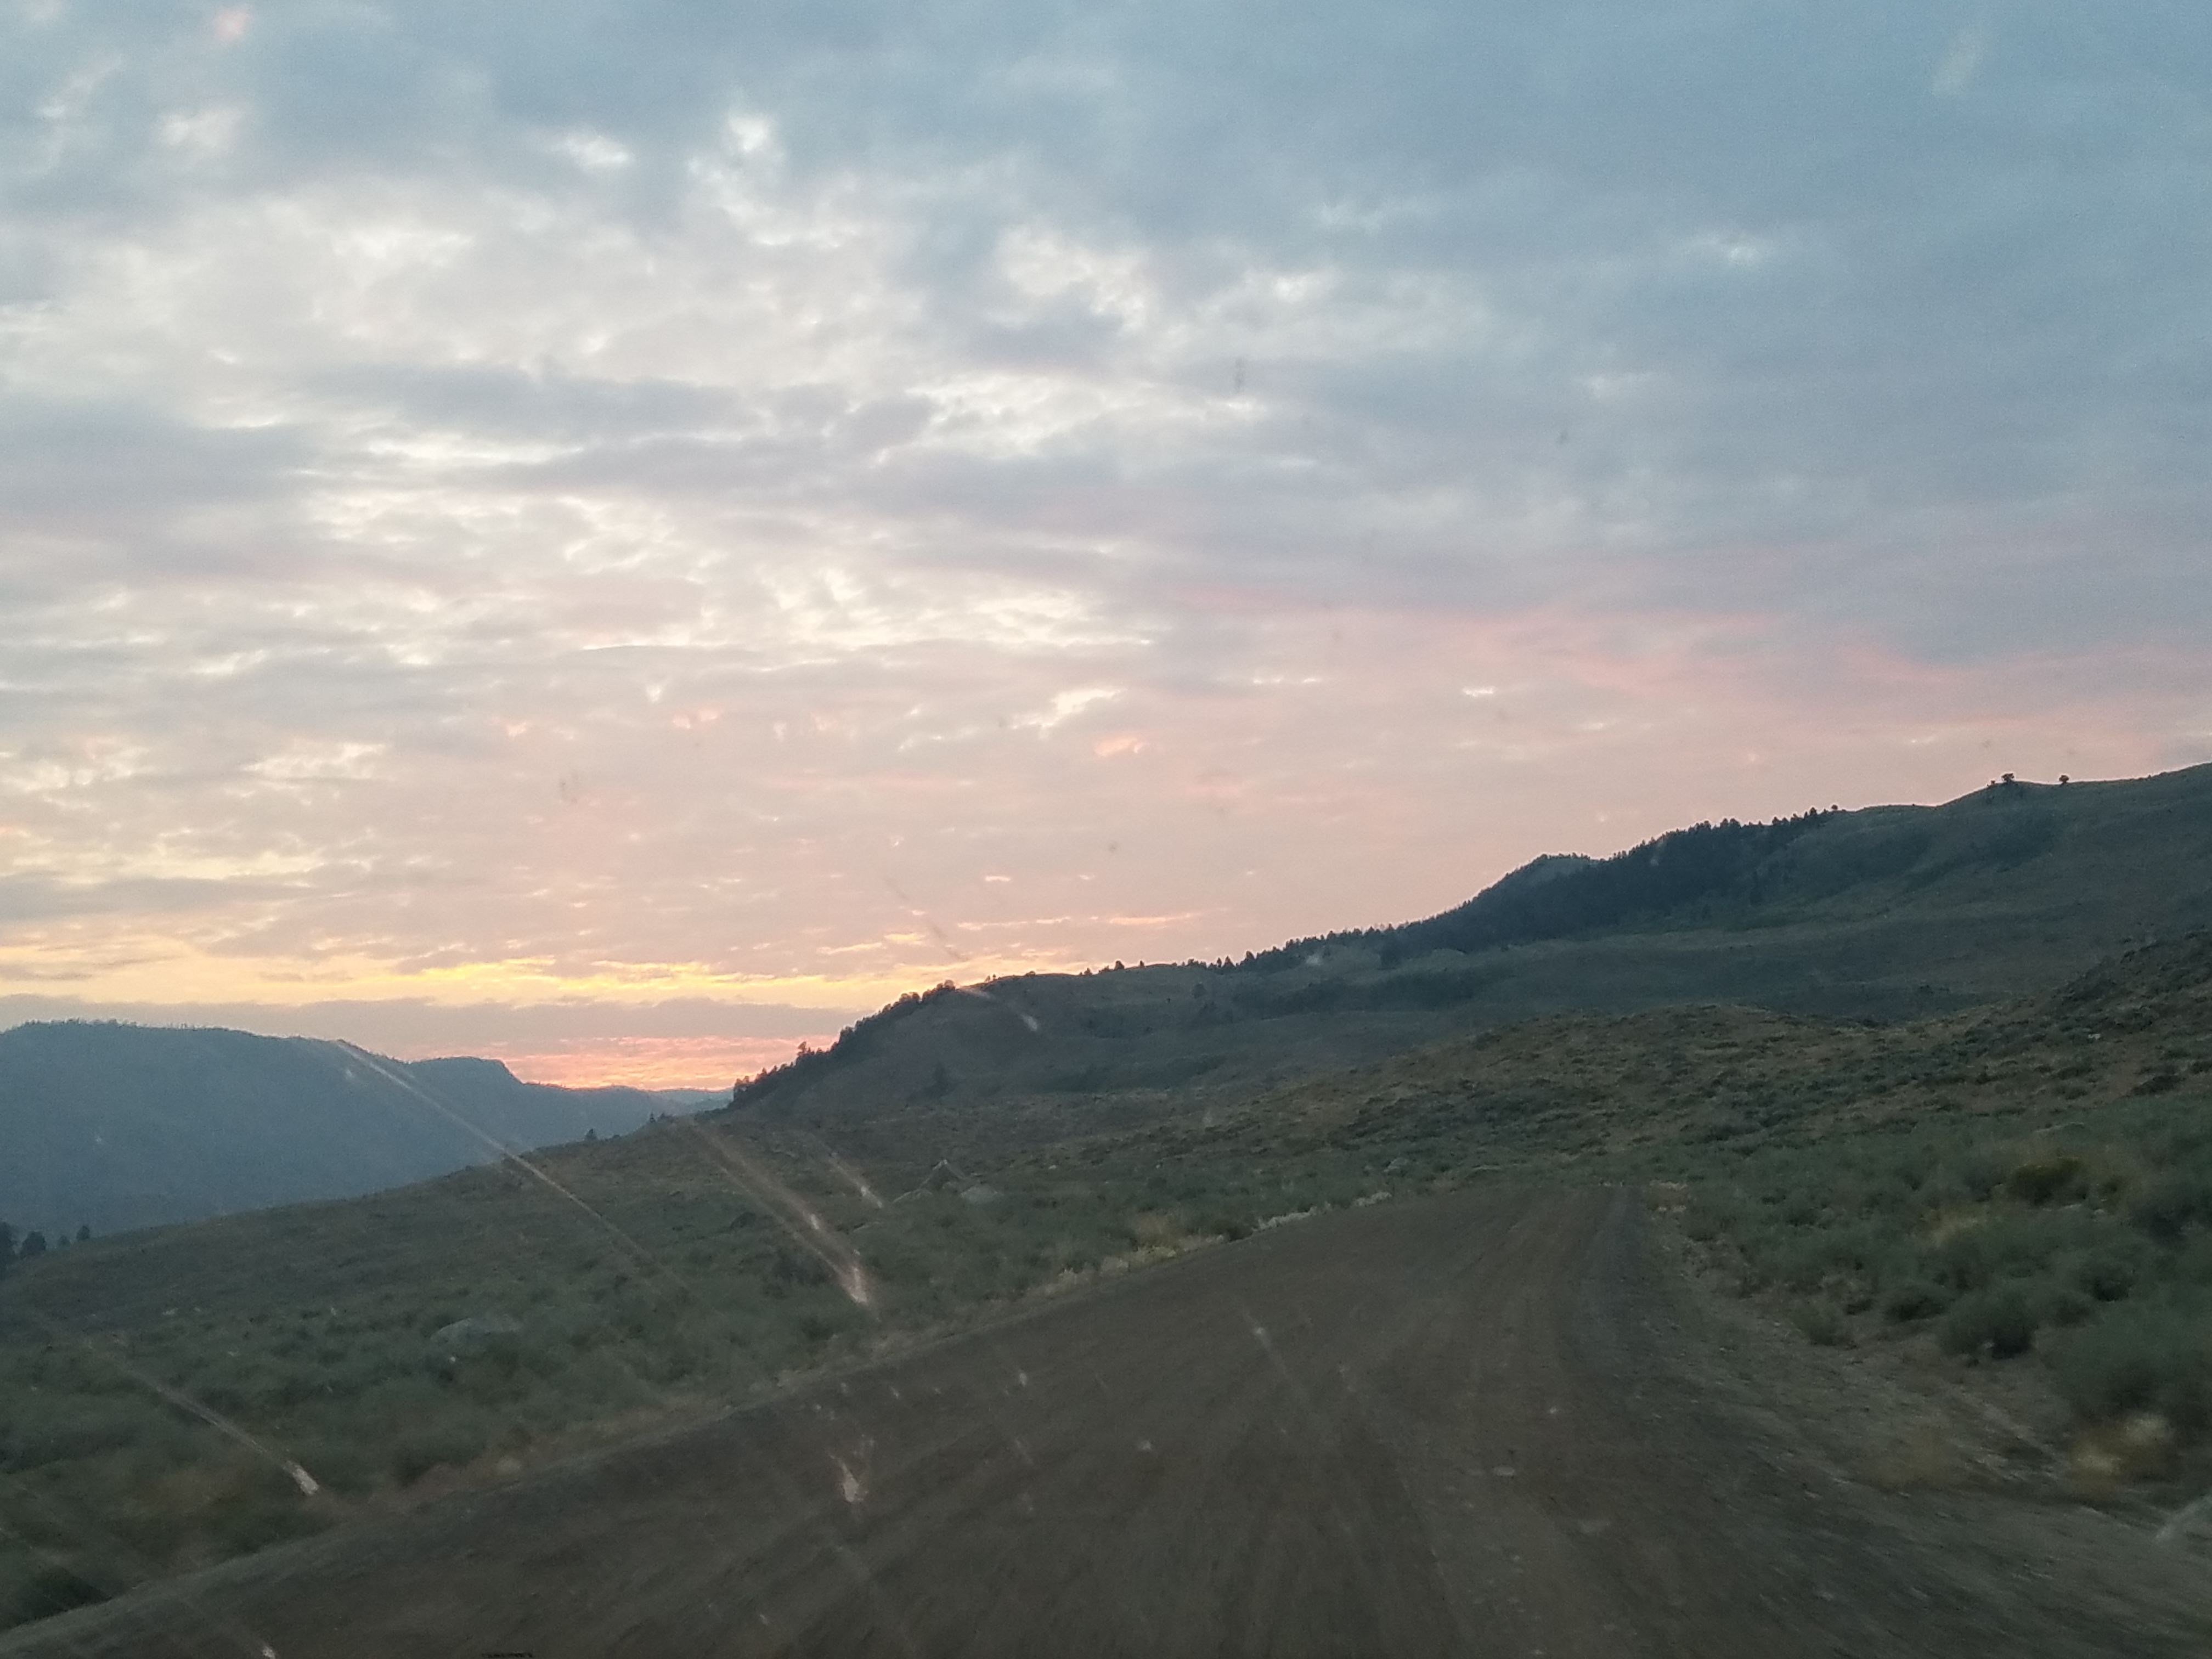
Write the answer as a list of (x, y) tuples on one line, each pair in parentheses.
[(1154, 1228), (2106, 1460), (1921, 1456)]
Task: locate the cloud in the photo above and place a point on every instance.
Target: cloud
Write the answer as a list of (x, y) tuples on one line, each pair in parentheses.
[(509, 505)]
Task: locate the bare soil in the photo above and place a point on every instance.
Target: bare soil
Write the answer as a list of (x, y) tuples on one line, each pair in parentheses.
[(1486, 1424)]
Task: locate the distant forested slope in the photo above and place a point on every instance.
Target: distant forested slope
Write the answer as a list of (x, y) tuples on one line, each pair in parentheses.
[(111, 1126), (1885, 912), (1882, 859)]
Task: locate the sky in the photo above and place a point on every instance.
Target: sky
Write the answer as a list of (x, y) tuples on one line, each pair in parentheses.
[(620, 537)]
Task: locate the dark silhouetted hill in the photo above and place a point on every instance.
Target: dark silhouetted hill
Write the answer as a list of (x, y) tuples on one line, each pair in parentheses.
[(112, 1126)]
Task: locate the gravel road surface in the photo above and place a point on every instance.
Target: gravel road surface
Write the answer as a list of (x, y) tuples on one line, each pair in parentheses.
[(1484, 1424)]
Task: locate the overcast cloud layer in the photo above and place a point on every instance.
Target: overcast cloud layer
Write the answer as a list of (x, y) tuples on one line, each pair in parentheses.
[(621, 535)]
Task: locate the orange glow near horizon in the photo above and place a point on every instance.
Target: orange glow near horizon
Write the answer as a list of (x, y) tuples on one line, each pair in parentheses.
[(656, 1063)]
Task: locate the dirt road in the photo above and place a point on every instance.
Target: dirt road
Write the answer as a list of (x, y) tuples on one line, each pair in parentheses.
[(1472, 1425)]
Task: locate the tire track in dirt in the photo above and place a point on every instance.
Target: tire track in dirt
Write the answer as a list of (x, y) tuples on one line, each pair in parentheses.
[(1454, 1426)]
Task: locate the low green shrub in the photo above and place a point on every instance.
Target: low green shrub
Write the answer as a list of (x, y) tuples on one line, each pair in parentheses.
[(1968, 1177), (1915, 1299), (2107, 1274), (1998, 1321), (2064, 1306), (2056, 1180), (2172, 1205), (339, 1461), (1821, 1325), (1702, 1223), (2139, 1357), (455, 1439)]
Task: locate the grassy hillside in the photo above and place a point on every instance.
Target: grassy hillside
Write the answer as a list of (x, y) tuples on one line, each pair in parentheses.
[(1891, 914), (112, 1126)]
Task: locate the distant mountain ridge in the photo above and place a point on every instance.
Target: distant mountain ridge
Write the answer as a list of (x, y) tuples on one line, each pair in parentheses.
[(113, 1125), (1727, 874)]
